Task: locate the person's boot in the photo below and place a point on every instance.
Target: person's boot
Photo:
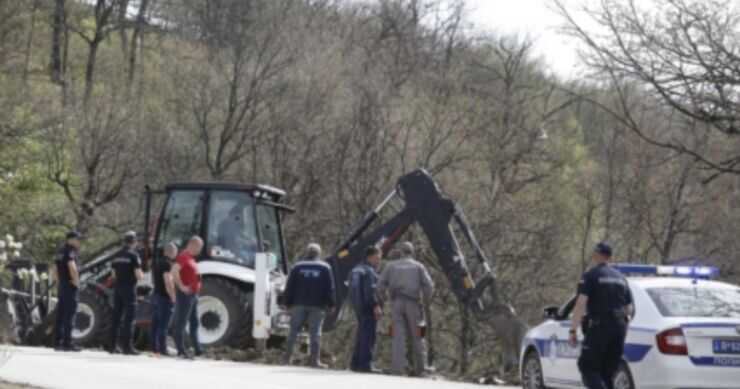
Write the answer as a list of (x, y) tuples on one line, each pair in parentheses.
[(287, 360), (316, 363), (112, 349), (185, 355), (130, 351), (71, 348)]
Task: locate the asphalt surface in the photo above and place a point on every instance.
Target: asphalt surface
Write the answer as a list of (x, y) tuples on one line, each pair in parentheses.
[(45, 368)]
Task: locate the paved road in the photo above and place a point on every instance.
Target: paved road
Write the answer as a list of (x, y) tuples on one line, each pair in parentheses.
[(93, 370)]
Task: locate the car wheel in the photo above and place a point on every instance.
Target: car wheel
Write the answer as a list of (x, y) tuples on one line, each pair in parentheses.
[(623, 378), (532, 372), (225, 314), (93, 319)]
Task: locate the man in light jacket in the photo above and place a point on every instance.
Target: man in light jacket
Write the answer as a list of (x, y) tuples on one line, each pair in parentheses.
[(407, 281)]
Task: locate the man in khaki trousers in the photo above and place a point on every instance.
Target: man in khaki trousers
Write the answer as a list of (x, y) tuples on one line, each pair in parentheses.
[(407, 281)]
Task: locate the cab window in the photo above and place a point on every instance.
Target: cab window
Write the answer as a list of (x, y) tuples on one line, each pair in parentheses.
[(181, 219), (232, 234), (270, 232)]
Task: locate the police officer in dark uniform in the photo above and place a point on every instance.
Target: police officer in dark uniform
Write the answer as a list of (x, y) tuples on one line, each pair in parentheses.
[(363, 285), (606, 301), (126, 272), (68, 283)]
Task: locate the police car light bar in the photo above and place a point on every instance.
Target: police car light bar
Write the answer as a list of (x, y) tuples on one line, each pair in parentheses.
[(705, 272)]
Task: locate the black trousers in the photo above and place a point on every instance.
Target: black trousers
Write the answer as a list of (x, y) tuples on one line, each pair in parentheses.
[(362, 357), (66, 310), (124, 307), (601, 352)]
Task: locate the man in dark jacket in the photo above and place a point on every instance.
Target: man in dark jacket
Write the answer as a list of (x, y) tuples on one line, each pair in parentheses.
[(68, 281), (163, 299), (126, 273), (308, 295), (363, 283)]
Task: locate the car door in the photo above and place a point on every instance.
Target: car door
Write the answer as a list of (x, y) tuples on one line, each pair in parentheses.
[(545, 333), (564, 357)]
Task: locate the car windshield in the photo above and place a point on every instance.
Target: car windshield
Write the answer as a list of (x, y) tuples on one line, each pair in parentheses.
[(696, 301)]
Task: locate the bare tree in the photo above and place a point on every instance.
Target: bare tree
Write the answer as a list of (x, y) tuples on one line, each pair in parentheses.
[(236, 79), (686, 51), (10, 26), (105, 24)]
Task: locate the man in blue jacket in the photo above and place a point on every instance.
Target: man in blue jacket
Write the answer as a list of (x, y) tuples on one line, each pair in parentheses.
[(363, 283), (308, 295)]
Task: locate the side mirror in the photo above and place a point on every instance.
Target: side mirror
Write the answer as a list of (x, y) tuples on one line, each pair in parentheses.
[(551, 312)]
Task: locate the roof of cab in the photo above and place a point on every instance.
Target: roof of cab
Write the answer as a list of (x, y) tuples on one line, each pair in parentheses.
[(230, 186)]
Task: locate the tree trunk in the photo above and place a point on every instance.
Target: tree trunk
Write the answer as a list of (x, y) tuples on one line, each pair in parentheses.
[(29, 42), (90, 68), (136, 40), (464, 344), (57, 33)]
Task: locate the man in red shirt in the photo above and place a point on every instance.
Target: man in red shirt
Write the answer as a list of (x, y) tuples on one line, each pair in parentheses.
[(188, 283)]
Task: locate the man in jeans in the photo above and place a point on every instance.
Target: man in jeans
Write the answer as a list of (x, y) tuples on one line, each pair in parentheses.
[(163, 299), (68, 280), (308, 295), (187, 280)]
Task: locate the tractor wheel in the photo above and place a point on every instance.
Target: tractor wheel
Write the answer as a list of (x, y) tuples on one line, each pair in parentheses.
[(93, 319), (225, 314)]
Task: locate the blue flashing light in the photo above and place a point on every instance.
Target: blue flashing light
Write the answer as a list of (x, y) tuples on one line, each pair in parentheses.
[(704, 272)]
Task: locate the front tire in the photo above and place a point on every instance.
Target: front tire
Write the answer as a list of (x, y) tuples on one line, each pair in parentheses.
[(623, 378), (93, 320), (225, 314), (532, 377)]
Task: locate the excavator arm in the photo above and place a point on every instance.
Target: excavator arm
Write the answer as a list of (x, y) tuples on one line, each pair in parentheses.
[(426, 207)]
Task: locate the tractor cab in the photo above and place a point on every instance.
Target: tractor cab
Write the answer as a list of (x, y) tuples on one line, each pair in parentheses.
[(238, 223), (235, 221)]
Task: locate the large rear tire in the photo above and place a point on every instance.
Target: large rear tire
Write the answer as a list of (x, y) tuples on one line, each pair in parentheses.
[(225, 314), (93, 320)]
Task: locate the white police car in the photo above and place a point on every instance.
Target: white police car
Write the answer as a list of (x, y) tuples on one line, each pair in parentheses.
[(685, 334)]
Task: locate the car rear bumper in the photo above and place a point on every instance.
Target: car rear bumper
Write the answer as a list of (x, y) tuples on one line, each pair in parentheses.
[(679, 372)]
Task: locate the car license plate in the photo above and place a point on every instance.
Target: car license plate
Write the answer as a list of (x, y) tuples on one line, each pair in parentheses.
[(726, 346)]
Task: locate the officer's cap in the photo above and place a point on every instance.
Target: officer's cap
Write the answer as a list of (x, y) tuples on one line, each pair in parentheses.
[(74, 234), (603, 249)]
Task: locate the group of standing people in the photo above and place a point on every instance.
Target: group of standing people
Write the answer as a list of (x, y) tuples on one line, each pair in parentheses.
[(404, 282), (176, 283)]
